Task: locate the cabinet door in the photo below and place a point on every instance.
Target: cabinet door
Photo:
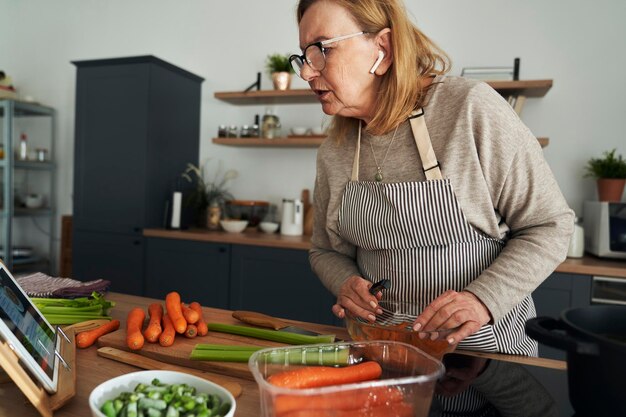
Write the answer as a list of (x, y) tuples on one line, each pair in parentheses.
[(118, 258), (110, 148), (198, 271), (278, 282), (557, 293)]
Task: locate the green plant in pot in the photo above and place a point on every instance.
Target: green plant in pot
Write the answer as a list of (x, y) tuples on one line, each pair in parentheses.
[(209, 195), (610, 173), (279, 68)]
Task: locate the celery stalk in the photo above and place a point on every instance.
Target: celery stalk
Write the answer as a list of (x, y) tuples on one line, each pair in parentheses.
[(323, 355), (274, 335)]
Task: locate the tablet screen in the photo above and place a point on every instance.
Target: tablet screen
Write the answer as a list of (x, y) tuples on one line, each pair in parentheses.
[(19, 315)]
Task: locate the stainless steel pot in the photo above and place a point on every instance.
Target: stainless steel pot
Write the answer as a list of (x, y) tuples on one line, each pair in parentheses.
[(594, 338)]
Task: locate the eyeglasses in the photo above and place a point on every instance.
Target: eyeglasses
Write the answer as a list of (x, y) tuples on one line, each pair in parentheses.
[(314, 54)]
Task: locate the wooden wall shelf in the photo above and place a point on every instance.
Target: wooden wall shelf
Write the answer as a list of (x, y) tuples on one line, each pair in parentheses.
[(297, 142), (528, 88)]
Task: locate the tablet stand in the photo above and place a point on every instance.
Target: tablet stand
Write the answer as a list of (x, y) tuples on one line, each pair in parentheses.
[(44, 402)]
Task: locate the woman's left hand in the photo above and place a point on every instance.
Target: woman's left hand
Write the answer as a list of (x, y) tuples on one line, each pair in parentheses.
[(452, 309)]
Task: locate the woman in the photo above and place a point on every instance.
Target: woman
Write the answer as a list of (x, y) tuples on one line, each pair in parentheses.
[(430, 181)]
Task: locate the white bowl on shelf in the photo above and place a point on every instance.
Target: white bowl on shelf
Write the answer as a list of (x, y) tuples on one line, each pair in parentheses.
[(110, 389), (234, 226), (268, 227), (298, 131)]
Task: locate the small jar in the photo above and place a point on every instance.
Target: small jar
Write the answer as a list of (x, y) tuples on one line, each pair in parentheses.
[(245, 131), (232, 131), (255, 132), (41, 154), (222, 131)]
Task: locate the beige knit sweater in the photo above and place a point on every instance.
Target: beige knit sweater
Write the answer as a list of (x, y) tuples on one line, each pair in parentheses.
[(497, 170)]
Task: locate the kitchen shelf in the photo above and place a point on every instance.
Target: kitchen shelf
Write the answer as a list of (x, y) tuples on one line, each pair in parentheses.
[(294, 142), (290, 142), (528, 88)]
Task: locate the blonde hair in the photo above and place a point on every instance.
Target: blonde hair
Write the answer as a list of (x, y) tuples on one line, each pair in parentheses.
[(415, 58)]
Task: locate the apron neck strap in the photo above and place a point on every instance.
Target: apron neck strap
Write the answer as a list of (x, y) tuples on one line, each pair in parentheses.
[(430, 164), (424, 148)]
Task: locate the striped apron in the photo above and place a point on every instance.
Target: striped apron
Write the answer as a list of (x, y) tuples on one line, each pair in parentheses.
[(416, 235)]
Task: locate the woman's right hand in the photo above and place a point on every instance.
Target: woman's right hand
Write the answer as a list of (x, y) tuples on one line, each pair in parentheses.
[(354, 296)]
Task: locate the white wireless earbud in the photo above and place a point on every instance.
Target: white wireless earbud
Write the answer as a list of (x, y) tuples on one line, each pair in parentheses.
[(381, 55)]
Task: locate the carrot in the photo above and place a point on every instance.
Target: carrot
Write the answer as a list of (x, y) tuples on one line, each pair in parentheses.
[(89, 337), (167, 336), (191, 331), (134, 322), (154, 329), (203, 330), (363, 398), (172, 305), (190, 315), (397, 409), (322, 376)]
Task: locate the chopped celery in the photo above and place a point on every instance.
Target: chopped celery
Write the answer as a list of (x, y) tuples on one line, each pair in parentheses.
[(274, 335)]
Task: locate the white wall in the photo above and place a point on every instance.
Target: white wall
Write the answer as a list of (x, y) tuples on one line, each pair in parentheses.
[(578, 44)]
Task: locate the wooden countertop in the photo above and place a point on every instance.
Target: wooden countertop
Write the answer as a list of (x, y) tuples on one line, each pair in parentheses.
[(587, 265), (93, 370)]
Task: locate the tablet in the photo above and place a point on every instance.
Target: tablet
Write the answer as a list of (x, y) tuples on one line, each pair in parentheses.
[(27, 332)]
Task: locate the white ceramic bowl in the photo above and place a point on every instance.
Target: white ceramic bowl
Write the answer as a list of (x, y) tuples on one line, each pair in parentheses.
[(268, 227), (300, 131), (234, 226), (317, 131), (113, 387)]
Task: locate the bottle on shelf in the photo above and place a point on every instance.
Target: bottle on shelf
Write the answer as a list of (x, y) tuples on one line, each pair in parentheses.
[(22, 149)]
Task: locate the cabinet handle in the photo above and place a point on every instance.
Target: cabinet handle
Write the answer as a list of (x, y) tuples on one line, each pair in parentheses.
[(136, 242)]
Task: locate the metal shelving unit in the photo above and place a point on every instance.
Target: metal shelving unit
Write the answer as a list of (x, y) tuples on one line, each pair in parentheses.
[(11, 111)]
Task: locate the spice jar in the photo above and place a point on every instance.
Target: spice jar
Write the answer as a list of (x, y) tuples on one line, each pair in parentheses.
[(245, 131), (222, 132), (232, 131), (41, 154)]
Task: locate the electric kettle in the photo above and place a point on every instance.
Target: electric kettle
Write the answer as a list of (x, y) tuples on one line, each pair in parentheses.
[(292, 218)]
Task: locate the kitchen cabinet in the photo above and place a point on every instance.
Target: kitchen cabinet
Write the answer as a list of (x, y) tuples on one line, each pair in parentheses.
[(278, 282), (561, 291), (519, 89), (137, 127), (198, 271), (27, 233), (115, 257)]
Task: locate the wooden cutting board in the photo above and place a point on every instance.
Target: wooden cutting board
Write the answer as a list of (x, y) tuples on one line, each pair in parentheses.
[(178, 353)]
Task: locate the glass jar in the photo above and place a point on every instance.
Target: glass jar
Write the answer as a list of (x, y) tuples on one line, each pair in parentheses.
[(270, 127), (222, 131), (245, 131), (232, 131)]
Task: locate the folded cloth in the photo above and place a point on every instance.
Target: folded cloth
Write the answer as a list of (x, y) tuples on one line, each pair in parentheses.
[(44, 286)]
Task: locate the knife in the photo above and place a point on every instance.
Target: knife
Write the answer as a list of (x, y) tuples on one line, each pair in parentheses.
[(263, 320)]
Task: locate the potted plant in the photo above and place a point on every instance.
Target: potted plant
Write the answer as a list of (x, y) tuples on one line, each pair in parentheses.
[(610, 173), (279, 68), (208, 197)]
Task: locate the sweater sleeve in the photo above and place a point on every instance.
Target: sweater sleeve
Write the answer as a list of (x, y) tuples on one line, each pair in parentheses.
[(529, 201), (333, 262)]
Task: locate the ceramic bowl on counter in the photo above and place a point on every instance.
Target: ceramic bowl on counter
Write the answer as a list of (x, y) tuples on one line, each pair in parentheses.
[(251, 210), (268, 227), (395, 324), (405, 387), (234, 226), (111, 389)]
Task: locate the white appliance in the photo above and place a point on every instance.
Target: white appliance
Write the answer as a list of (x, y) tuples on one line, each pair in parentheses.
[(292, 218), (605, 229)]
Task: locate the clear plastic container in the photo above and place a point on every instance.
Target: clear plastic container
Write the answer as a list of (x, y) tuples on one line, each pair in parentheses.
[(395, 324), (405, 388)]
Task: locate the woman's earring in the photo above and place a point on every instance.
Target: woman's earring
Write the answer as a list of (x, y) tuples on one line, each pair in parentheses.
[(381, 55)]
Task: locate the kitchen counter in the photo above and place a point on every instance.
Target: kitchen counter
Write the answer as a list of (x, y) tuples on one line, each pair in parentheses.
[(92, 369), (587, 265)]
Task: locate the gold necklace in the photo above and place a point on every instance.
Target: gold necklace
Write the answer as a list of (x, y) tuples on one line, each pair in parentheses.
[(379, 168)]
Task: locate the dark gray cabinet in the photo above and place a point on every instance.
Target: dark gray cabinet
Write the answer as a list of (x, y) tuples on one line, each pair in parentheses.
[(116, 257), (199, 271), (137, 126), (559, 292), (278, 282)]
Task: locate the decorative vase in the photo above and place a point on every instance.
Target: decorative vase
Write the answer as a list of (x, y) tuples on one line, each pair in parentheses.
[(281, 80), (611, 189), (213, 215)]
